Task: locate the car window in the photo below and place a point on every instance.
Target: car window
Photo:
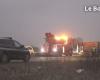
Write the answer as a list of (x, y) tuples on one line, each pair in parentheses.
[(6, 42), (17, 44)]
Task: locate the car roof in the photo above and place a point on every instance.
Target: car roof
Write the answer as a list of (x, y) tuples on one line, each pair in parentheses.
[(5, 37)]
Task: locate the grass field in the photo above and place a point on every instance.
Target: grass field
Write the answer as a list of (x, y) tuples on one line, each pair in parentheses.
[(57, 70)]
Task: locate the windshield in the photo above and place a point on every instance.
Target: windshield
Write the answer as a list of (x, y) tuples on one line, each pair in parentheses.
[(17, 44)]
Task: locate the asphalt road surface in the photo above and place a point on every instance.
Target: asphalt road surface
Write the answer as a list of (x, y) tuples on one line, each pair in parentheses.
[(66, 58)]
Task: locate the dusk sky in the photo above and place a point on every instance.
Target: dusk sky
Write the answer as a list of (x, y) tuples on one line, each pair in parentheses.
[(27, 21)]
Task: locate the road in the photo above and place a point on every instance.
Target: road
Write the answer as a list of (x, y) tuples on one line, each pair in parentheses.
[(66, 58)]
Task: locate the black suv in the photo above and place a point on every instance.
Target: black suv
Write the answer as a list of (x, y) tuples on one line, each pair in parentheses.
[(11, 49)]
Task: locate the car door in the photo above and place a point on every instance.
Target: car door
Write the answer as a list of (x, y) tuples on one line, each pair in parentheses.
[(18, 50)]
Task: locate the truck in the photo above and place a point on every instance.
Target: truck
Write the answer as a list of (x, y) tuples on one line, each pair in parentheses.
[(91, 48), (60, 45)]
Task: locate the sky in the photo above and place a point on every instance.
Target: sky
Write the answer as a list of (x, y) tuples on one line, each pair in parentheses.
[(27, 21)]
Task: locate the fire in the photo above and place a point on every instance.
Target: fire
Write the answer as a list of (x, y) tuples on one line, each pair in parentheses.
[(57, 38), (62, 37)]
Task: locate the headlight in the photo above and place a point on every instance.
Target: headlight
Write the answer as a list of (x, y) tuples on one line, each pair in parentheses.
[(54, 49), (42, 50)]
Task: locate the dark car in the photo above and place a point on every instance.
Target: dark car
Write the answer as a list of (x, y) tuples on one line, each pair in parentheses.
[(11, 49)]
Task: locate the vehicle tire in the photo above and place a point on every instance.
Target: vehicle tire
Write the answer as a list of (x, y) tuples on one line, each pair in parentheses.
[(27, 58), (4, 58)]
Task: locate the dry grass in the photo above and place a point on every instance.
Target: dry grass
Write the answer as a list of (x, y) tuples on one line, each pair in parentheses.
[(50, 70)]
